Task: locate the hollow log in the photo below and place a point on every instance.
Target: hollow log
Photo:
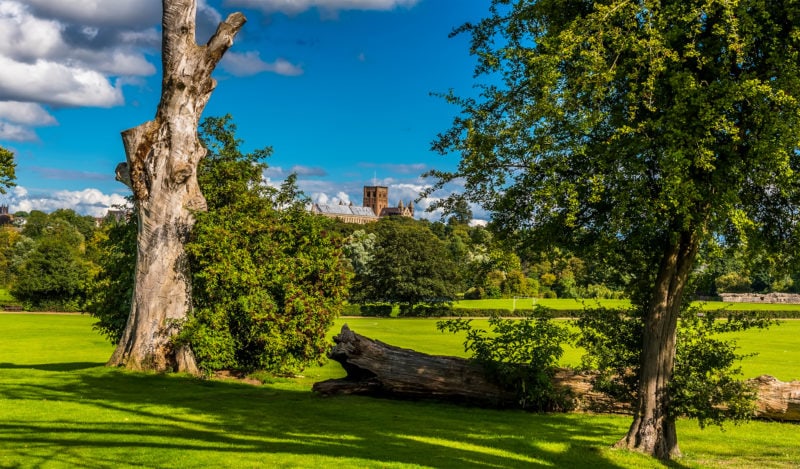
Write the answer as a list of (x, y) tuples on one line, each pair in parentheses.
[(382, 370)]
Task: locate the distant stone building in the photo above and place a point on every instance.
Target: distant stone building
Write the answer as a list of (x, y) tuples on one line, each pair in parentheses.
[(375, 205), (5, 217)]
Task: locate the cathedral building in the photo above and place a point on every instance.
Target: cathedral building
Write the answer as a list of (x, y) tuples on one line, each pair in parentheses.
[(375, 206)]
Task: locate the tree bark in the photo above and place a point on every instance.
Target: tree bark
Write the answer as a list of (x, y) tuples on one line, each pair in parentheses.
[(381, 370), (653, 429), (162, 158)]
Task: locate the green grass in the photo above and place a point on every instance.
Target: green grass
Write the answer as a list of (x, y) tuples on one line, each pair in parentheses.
[(576, 304), (60, 407)]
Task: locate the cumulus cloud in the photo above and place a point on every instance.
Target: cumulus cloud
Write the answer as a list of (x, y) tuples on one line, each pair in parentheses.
[(25, 113), (70, 54), (16, 133), (250, 63), (129, 13), (293, 7), (86, 202), (413, 168), (307, 171)]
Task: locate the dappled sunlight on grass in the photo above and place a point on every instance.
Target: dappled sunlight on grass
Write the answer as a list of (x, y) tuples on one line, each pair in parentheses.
[(464, 446), (64, 409)]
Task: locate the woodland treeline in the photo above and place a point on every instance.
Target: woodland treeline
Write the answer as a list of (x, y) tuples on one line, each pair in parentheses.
[(58, 262)]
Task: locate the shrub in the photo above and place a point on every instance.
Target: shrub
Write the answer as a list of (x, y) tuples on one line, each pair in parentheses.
[(520, 355), (377, 310), (733, 282), (705, 383)]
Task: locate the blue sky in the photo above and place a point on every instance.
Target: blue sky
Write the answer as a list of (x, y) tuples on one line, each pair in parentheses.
[(339, 88)]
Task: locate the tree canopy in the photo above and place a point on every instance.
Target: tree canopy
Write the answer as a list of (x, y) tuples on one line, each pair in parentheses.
[(408, 265), (7, 170), (640, 130)]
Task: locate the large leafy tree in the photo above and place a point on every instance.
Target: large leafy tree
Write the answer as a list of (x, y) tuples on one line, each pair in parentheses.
[(53, 274), (641, 130), (409, 266)]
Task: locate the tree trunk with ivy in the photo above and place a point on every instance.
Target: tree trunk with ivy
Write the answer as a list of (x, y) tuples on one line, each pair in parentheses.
[(161, 170)]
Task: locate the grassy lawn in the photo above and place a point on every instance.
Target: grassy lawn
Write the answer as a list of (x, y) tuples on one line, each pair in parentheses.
[(573, 304), (60, 407)]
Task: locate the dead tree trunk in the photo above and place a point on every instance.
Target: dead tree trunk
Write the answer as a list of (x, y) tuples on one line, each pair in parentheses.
[(162, 157), (381, 370)]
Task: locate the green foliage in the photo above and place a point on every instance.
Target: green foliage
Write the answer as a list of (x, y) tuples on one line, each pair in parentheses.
[(267, 286), (8, 240), (521, 354), (113, 249), (706, 383), (53, 275), (7, 170), (359, 250), (733, 282), (268, 277), (409, 265), (48, 263)]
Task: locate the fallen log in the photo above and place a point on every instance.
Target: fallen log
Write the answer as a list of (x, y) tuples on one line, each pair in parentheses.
[(382, 370), (777, 400), (378, 369)]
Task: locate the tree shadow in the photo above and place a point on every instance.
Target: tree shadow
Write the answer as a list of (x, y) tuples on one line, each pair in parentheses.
[(169, 416), (52, 366)]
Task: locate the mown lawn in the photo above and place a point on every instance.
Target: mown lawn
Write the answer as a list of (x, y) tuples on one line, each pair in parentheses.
[(60, 407), (577, 304)]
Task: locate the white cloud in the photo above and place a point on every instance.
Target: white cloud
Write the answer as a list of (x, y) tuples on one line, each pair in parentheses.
[(101, 12), (54, 83), (87, 202), (250, 63), (293, 7), (70, 54), (16, 133), (25, 113)]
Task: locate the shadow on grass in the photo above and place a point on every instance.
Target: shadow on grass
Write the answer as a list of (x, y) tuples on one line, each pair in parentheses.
[(104, 415), (52, 366)]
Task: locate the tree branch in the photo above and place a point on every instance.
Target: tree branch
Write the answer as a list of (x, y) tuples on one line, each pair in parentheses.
[(222, 39)]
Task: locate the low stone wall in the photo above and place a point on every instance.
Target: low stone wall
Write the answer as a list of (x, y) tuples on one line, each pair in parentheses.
[(779, 298)]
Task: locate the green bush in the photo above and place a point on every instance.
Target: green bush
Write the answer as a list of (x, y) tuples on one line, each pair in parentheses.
[(427, 311), (519, 354), (733, 282), (376, 310)]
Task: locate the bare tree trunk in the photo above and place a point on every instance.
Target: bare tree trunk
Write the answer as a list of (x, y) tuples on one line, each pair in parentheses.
[(653, 429), (162, 158)]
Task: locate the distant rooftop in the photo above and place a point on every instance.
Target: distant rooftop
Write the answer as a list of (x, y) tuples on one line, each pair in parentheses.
[(352, 210)]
